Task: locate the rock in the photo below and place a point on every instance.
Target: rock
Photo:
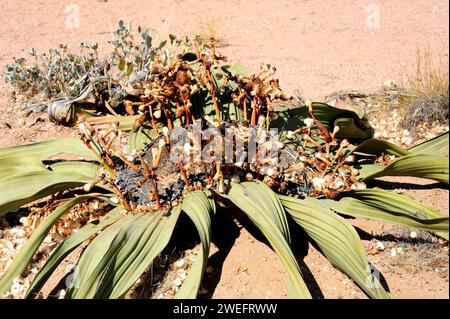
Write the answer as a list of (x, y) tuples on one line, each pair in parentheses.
[(389, 85), (179, 263), (182, 274), (393, 252), (203, 291), (380, 246), (177, 282), (413, 235), (60, 294)]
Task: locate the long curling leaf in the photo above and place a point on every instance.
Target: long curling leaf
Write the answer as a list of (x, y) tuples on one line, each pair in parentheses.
[(264, 209), (68, 245), (117, 257), (85, 277), (18, 165), (125, 122), (437, 145), (16, 191), (44, 150), (23, 258), (200, 207), (352, 124), (150, 245), (378, 147), (390, 207), (338, 241), (416, 165)]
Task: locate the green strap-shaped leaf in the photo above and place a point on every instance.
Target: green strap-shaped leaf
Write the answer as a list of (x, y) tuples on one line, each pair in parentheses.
[(265, 210), (338, 241), (44, 150), (390, 207), (117, 257), (352, 125), (138, 139), (17, 165), (91, 257), (126, 123), (150, 246), (378, 147), (416, 165), (23, 258), (19, 190), (68, 245), (437, 146), (78, 167), (86, 277), (200, 207)]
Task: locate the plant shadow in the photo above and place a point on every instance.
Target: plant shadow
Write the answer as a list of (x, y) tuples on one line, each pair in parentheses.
[(225, 240), (387, 185), (225, 232)]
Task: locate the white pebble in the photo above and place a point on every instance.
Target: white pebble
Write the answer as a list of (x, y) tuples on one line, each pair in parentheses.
[(393, 252), (182, 274), (177, 282), (179, 263), (380, 245), (308, 122), (60, 294), (24, 221)]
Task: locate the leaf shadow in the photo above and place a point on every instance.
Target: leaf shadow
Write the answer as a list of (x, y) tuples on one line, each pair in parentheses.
[(225, 232), (299, 245)]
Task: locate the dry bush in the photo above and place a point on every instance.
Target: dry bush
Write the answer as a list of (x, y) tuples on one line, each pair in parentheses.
[(427, 101)]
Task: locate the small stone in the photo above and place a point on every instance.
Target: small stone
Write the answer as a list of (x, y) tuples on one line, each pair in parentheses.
[(393, 252), (380, 245), (179, 263), (169, 292), (413, 235), (60, 294), (242, 269), (48, 239), (389, 84), (182, 274), (24, 221), (177, 282), (20, 232), (406, 140)]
